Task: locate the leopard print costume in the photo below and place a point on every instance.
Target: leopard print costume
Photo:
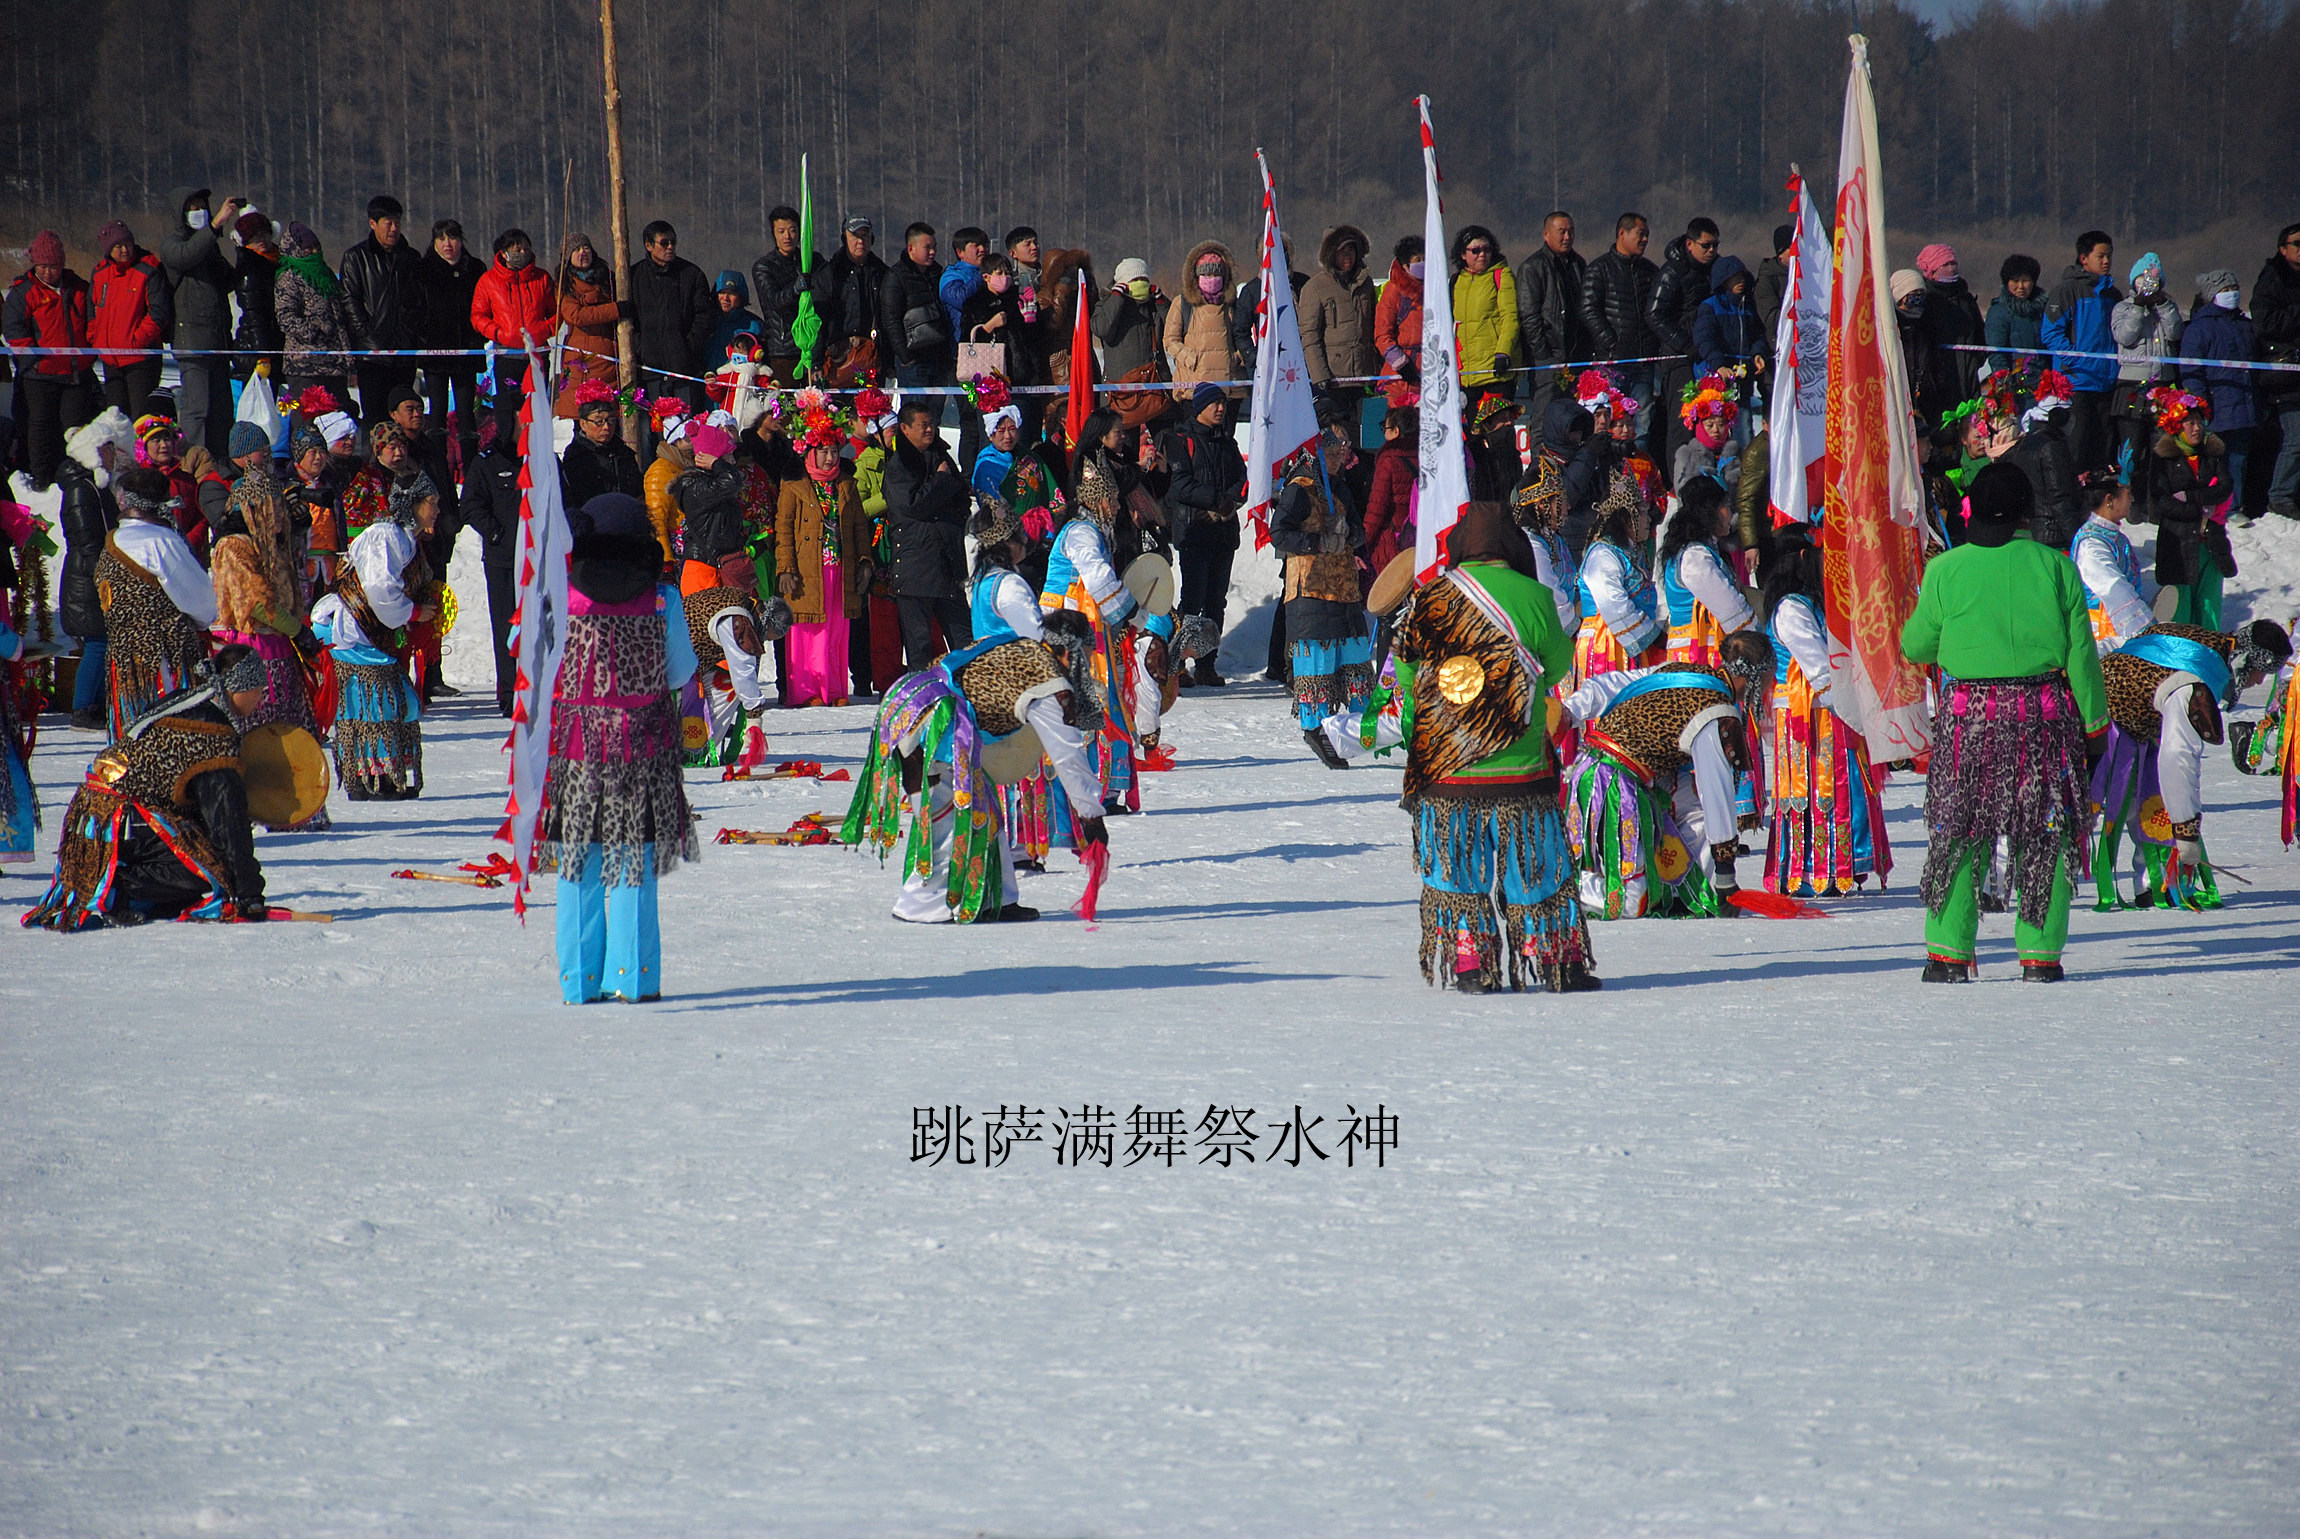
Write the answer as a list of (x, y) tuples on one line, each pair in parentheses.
[(1002, 682), (154, 645), (614, 777), (2132, 684), (158, 768), (702, 607), (1539, 504), (1645, 731)]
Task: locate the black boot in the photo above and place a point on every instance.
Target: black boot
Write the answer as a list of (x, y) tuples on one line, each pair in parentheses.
[(1471, 983), (1316, 738), (1938, 971), (1576, 978), (2041, 972), (1016, 913)]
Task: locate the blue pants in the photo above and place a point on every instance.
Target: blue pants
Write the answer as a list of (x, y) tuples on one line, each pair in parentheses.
[(610, 942), (89, 684)]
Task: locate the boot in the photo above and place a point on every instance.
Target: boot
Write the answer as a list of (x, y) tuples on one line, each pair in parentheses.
[(90, 720), (1938, 971), (1316, 738), (2041, 972), (1576, 978), (1208, 675), (1016, 913), (1471, 983)]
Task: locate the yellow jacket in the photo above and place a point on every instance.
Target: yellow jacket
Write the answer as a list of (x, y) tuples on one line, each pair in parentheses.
[(671, 462), (1484, 323)]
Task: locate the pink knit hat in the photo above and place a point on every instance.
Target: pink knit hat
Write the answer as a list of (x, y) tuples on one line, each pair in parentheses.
[(717, 442), (1938, 262)]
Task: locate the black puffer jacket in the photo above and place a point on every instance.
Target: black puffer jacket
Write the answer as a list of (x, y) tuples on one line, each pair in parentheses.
[(1206, 482), (1615, 291), (88, 516), (447, 294), (203, 279), (259, 328), (2276, 321), (777, 281), (587, 469), (1677, 294), (2042, 455), (710, 501), (676, 314), (1549, 306), (385, 287), (847, 294), (909, 300), (927, 502)]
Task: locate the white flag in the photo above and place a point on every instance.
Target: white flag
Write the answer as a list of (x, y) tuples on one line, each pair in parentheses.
[(1441, 476), (539, 624), (1282, 415), (1797, 423)]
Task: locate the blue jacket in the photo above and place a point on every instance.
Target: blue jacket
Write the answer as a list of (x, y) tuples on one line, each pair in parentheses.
[(2076, 315), (2216, 333), (959, 281), (2015, 323), (1726, 330), (732, 323)]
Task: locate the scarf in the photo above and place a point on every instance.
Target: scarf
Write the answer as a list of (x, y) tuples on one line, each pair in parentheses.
[(313, 270)]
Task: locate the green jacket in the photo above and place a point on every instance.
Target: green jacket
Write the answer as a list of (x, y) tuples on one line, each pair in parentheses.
[(2010, 611), (1532, 612), (870, 481)]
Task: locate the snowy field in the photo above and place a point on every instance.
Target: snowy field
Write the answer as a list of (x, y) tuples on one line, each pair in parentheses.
[(354, 1229)]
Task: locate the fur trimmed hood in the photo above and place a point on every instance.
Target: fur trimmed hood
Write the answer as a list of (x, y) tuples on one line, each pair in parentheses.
[(1333, 242)]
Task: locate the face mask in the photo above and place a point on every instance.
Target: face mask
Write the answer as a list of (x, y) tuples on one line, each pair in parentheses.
[(2228, 299), (1415, 268), (1139, 288), (1211, 288), (197, 218), (517, 259)]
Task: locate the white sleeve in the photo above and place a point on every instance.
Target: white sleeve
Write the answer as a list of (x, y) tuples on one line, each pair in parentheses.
[(1608, 580), (2107, 584), (1594, 697), (742, 667), (1014, 603), (331, 618), (1713, 783), (1083, 542), (1704, 575), (1560, 585), (1066, 752), (2180, 760), (1799, 626)]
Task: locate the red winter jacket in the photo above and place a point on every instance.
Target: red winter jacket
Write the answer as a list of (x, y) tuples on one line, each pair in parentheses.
[(508, 302), (39, 316), (128, 307)]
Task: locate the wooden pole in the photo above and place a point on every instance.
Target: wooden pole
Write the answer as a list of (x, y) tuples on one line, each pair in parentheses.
[(626, 331)]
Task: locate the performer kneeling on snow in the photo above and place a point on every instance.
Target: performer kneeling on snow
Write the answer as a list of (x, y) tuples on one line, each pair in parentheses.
[(948, 736), (615, 805), (160, 827), (1477, 652), (2006, 620), (1662, 750), (732, 633), (2166, 688)]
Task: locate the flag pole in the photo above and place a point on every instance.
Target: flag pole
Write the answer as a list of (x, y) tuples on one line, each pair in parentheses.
[(626, 330)]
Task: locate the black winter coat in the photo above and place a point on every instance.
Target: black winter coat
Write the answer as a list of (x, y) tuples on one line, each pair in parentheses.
[(1549, 306), (2185, 496), (203, 280), (847, 295), (587, 469), (910, 307), (386, 293), (1677, 294), (777, 283), (676, 314), (1206, 480), (447, 305), (490, 505), (927, 502), (1615, 291), (89, 515), (2042, 455), (259, 328), (2276, 321), (1953, 319), (710, 502)]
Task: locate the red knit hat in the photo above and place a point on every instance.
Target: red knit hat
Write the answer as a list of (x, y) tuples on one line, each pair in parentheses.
[(46, 250)]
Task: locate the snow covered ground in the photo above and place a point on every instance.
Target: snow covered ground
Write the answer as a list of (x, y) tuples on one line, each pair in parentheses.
[(354, 1229)]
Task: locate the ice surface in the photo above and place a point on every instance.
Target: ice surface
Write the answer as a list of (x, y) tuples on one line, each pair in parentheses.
[(355, 1229)]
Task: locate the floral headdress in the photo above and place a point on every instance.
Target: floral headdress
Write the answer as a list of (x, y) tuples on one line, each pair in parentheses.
[(2053, 387), (662, 412), (817, 422), (873, 407), (1597, 390), (631, 400), (2175, 405), (988, 392), (2006, 393), (1708, 398), (316, 401)]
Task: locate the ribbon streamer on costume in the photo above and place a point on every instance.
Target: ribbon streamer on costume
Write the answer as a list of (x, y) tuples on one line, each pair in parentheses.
[(1096, 859)]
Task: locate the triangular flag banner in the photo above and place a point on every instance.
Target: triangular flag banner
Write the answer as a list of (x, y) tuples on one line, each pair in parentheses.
[(1797, 425), (1869, 531), (1282, 415), (542, 642), (1441, 475)]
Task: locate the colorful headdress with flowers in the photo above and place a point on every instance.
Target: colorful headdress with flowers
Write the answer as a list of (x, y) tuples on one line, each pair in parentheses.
[(873, 407), (1596, 390), (662, 412), (988, 392), (1709, 398), (316, 402), (630, 400), (2175, 405), (2053, 389), (816, 422)]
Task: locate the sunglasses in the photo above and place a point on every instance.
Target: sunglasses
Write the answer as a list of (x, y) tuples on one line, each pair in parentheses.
[(1478, 250), (1703, 245)]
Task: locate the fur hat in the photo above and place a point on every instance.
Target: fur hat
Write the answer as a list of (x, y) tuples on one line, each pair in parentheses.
[(111, 427)]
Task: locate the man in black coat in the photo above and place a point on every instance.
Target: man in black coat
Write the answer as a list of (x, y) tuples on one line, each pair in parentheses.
[(448, 274), (928, 504), (1549, 323), (1678, 293), (672, 302), (847, 290), (490, 505), (597, 460), (778, 282), (1615, 292), (1206, 481), (2276, 321), (381, 276), (198, 264), (258, 338), (915, 344)]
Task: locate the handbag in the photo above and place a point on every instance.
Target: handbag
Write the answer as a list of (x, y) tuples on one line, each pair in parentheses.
[(857, 364), (1136, 408), (922, 329), (976, 359)]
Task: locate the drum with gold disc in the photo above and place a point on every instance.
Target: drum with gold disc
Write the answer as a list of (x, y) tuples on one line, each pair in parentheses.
[(285, 772)]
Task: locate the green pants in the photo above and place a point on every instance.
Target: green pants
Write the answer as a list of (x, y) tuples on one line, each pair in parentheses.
[(1950, 934), (2200, 600)]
